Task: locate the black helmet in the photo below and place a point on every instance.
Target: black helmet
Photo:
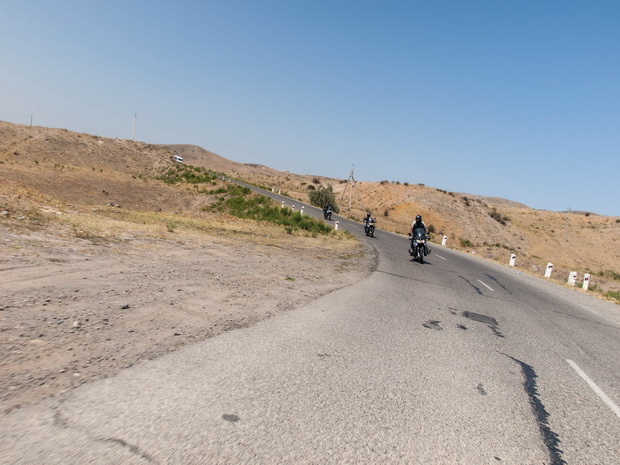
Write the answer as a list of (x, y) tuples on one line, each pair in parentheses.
[(418, 218)]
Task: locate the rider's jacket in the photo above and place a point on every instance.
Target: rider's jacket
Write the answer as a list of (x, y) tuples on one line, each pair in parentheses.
[(415, 224)]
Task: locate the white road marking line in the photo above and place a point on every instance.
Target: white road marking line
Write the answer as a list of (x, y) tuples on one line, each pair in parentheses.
[(595, 388), (485, 285), (440, 257)]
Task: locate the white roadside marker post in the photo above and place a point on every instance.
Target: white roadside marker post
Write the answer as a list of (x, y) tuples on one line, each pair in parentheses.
[(549, 270), (444, 240), (513, 257), (586, 281), (572, 278)]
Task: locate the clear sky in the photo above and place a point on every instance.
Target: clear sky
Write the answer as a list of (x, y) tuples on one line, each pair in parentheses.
[(510, 98)]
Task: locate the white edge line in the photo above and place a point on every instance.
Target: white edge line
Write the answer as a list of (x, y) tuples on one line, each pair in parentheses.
[(440, 257), (595, 388), (485, 285)]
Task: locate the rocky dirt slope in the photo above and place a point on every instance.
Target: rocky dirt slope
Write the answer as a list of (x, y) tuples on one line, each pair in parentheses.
[(102, 265), (490, 227), (85, 294)]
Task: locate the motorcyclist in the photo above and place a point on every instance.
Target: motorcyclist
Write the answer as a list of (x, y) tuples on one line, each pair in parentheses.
[(367, 221), (418, 223), (327, 209)]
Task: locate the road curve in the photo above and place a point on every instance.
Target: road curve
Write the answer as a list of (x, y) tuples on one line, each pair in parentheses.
[(457, 360)]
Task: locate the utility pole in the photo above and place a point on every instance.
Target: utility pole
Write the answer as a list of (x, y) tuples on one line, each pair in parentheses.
[(351, 181), (567, 226), (133, 131)]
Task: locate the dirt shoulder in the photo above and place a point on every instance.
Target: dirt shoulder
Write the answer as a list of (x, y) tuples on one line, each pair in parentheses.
[(73, 310)]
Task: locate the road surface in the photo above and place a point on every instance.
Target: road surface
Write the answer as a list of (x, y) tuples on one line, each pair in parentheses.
[(454, 361)]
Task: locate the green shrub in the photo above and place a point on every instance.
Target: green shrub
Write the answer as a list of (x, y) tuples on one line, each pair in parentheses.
[(609, 274), (188, 174), (497, 216), (465, 242), (613, 295), (242, 203), (323, 196)]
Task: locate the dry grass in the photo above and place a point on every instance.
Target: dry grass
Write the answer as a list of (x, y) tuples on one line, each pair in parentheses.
[(28, 210), (79, 172)]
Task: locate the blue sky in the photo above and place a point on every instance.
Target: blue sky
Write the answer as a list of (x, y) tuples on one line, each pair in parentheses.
[(514, 99)]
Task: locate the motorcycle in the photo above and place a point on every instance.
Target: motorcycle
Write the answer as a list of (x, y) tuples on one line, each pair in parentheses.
[(327, 213), (418, 244), (369, 227)]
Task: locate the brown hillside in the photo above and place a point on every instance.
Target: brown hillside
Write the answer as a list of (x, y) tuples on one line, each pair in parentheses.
[(576, 241), (88, 170)]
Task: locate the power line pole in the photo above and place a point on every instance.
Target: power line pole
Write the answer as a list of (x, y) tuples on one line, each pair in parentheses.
[(351, 181), (133, 130), (567, 226)]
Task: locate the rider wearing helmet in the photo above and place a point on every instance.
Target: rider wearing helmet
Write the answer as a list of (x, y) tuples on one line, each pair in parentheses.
[(418, 223), (367, 221)]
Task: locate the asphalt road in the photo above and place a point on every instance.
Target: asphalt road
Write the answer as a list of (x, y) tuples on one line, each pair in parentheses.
[(454, 361)]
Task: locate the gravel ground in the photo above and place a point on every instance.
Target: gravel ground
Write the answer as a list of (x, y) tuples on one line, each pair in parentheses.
[(74, 310)]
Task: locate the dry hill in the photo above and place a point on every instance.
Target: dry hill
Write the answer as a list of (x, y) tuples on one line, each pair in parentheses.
[(83, 169)]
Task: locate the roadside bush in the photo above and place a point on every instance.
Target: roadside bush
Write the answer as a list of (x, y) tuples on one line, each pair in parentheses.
[(244, 204), (322, 196), (613, 295), (609, 274), (465, 242), (497, 216), (187, 174)]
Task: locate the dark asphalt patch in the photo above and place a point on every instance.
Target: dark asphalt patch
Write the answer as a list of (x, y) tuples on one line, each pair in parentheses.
[(490, 322), (481, 318), (549, 437), (433, 324)]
